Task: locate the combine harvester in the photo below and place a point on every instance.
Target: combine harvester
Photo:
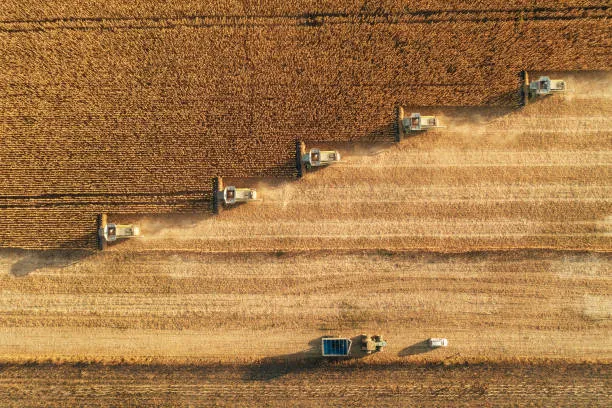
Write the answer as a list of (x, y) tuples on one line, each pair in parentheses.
[(541, 87), (414, 123), (314, 157), (111, 232), (230, 195)]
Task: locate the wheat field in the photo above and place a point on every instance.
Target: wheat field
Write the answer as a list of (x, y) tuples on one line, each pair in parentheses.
[(494, 232)]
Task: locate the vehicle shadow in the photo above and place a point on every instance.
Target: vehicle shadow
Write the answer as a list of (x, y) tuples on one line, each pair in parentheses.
[(270, 368), (417, 348), (310, 359), (31, 260)]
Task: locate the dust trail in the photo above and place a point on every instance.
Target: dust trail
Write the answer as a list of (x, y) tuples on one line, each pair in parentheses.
[(588, 85), (283, 193), (161, 226)]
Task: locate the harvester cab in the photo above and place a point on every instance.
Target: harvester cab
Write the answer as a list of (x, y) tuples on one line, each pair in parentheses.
[(113, 231), (371, 344), (318, 158), (233, 195), (230, 195), (417, 122), (545, 86)]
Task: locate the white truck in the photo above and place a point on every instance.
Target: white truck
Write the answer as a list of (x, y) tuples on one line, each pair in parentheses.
[(436, 342)]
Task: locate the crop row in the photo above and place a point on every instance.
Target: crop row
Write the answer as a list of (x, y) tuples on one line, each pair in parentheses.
[(53, 9)]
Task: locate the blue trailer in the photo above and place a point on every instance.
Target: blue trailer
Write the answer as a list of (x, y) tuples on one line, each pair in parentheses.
[(336, 347)]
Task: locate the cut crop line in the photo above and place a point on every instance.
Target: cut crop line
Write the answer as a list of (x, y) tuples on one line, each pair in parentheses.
[(450, 201), (279, 237)]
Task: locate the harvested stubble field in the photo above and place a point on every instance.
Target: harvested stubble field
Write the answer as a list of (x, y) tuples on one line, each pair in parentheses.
[(285, 385), (493, 232), (241, 328), (109, 100), (189, 307)]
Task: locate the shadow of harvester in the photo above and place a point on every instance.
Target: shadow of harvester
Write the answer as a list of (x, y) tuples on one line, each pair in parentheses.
[(417, 348), (32, 260)]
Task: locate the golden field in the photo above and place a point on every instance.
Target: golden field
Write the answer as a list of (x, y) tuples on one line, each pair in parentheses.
[(494, 231)]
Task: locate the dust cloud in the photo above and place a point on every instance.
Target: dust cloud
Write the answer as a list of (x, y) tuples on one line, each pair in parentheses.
[(588, 85)]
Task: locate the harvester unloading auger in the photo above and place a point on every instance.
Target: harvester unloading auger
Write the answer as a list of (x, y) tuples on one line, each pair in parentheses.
[(230, 195), (414, 123), (109, 232)]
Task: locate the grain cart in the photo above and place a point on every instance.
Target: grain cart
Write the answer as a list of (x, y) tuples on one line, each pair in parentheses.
[(545, 86), (414, 123), (109, 232), (371, 344), (231, 195), (335, 346)]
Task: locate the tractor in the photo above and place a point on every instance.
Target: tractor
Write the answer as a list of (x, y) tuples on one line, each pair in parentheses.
[(371, 344)]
